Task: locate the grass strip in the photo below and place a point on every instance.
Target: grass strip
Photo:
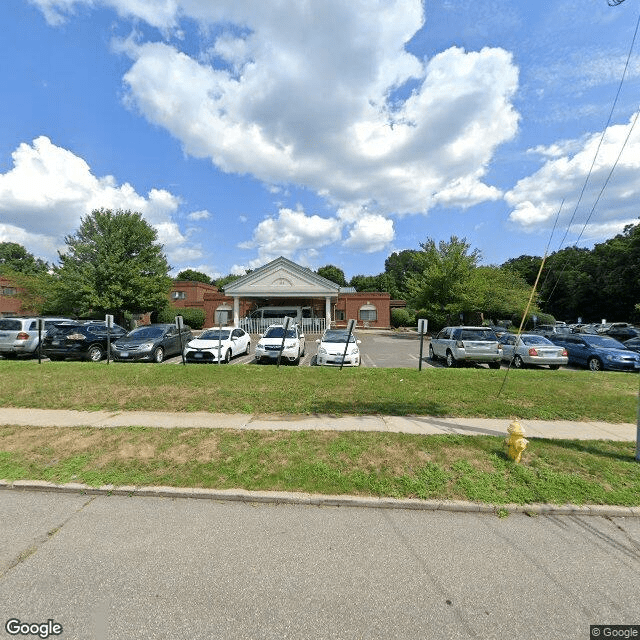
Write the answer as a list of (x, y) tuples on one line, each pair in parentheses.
[(443, 467), (468, 392)]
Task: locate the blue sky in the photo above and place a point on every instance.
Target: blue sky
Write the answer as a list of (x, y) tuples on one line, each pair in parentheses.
[(329, 132)]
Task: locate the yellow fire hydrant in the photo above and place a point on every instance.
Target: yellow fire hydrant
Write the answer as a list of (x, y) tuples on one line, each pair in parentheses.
[(516, 442)]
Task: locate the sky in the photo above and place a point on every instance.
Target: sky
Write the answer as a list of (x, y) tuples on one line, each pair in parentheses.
[(325, 131)]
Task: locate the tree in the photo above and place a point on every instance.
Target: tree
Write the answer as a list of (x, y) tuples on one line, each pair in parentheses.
[(194, 276), (113, 264), (444, 272), (14, 258), (333, 273), (397, 268), (364, 283), (221, 282)]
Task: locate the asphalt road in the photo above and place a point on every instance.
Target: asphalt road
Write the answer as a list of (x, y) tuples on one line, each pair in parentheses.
[(117, 568)]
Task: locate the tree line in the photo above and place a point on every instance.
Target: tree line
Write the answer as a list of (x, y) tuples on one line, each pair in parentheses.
[(115, 264)]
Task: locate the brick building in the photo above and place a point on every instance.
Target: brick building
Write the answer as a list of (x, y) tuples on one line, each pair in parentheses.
[(283, 283)]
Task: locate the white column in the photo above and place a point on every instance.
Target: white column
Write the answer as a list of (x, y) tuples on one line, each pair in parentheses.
[(327, 310), (236, 311)]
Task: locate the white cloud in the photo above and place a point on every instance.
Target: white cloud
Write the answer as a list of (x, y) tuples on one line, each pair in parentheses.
[(292, 234), (537, 198), (51, 188), (370, 233), (304, 93), (199, 215)]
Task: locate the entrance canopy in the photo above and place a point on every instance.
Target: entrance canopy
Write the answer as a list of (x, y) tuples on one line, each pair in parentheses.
[(282, 280)]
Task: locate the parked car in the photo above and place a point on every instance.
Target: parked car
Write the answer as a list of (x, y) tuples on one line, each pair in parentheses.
[(20, 336), (332, 347), (152, 342), (551, 330), (271, 342), (215, 344), (622, 331), (466, 344), (531, 349), (633, 344), (598, 352), (79, 340)]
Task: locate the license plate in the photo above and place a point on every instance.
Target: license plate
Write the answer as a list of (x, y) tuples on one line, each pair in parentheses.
[(55, 342), (197, 355), (124, 354)]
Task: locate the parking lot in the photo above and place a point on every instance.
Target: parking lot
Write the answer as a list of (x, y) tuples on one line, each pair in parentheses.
[(377, 349)]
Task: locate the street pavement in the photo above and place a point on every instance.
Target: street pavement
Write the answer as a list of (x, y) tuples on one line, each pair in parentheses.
[(115, 568)]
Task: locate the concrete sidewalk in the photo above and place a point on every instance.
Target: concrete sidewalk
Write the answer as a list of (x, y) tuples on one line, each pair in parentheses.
[(398, 424)]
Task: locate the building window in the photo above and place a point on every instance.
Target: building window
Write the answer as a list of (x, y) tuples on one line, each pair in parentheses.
[(179, 295), (340, 314), (368, 313), (9, 291)]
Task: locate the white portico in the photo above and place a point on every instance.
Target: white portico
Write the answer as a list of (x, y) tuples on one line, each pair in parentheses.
[(282, 282)]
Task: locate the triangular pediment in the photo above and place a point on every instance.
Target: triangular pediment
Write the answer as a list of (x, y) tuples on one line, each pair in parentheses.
[(282, 278)]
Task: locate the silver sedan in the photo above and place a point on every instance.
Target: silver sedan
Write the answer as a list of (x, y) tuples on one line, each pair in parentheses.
[(531, 349)]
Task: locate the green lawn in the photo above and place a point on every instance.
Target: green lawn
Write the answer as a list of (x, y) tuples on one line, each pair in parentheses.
[(378, 464), (529, 394)]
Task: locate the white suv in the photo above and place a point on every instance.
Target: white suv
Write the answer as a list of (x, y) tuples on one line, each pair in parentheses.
[(19, 336), (271, 342), (466, 344)]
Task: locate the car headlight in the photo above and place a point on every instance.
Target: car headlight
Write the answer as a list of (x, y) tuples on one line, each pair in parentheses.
[(322, 350), (147, 346)]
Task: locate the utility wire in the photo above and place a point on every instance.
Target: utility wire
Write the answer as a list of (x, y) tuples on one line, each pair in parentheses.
[(595, 156)]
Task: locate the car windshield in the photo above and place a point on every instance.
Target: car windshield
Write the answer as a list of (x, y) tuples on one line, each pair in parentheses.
[(146, 332), (214, 334), (337, 336), (604, 342), (535, 340), (278, 332)]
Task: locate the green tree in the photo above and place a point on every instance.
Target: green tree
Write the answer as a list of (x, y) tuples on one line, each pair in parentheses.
[(497, 293), (365, 283), (14, 258), (398, 267), (333, 273), (113, 264), (440, 284), (221, 282), (194, 276)]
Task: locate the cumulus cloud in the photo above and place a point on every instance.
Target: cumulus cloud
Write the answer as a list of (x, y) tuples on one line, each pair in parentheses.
[(52, 188), (536, 199), (370, 233), (292, 234), (309, 94)]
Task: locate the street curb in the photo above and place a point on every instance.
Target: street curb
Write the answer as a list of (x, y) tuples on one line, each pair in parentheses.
[(281, 497)]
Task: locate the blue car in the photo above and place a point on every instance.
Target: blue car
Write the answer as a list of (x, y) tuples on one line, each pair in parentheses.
[(598, 352)]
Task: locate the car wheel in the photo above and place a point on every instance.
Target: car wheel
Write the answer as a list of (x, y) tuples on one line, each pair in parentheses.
[(594, 364), (158, 355), (246, 351), (432, 355), (517, 362), (95, 353), (451, 361), (227, 356), (494, 365)]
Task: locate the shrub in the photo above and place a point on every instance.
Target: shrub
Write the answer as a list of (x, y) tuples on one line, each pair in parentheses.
[(402, 318), (193, 317)]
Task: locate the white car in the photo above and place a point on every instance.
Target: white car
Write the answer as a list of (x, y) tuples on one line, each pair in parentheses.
[(271, 343), (218, 345), (332, 346)]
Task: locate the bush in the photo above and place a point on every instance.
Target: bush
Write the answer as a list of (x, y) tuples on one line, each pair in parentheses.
[(193, 317), (402, 318)]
